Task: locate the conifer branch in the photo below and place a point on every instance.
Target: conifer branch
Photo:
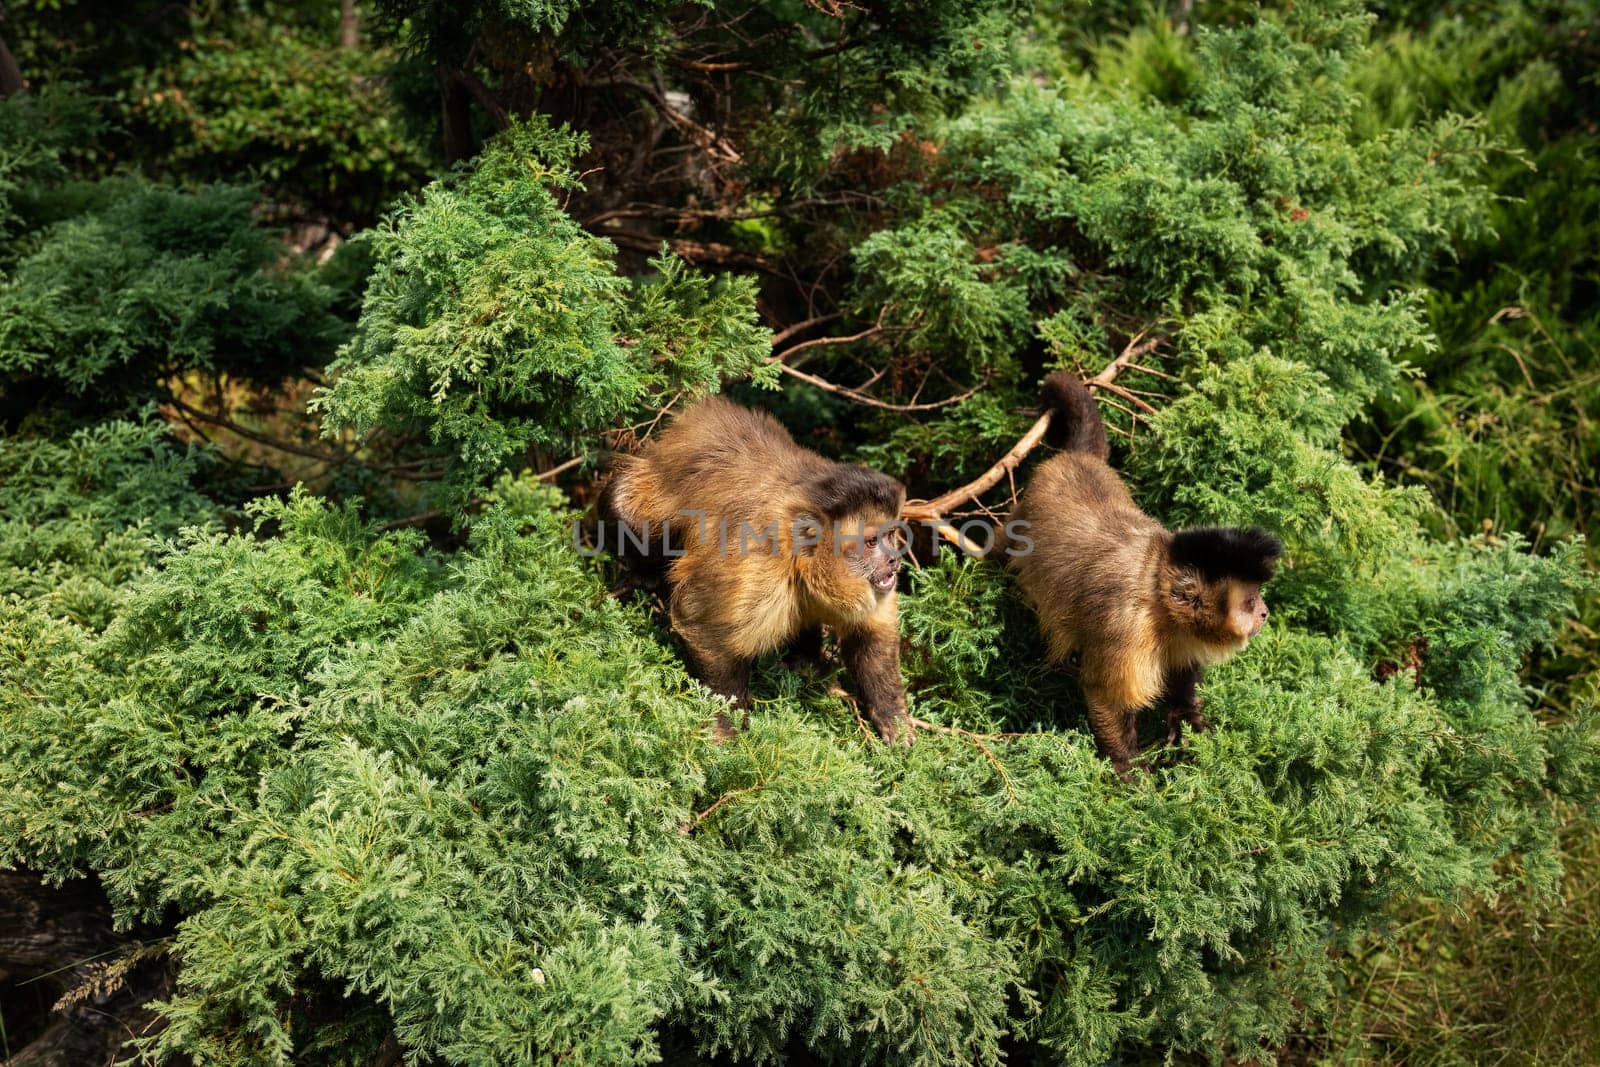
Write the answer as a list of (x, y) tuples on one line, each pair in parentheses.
[(701, 816)]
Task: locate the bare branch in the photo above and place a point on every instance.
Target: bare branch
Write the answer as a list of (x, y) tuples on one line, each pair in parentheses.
[(698, 252), (485, 96), (258, 438), (800, 327), (718, 148), (874, 402), (871, 331), (934, 510), (665, 212)]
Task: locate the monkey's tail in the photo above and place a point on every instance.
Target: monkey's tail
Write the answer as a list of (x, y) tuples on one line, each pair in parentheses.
[(1075, 423)]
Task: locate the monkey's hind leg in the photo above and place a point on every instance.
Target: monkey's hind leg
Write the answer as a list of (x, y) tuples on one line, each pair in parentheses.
[(1116, 733), (872, 656), (723, 671), (727, 676), (1183, 706), (805, 651)]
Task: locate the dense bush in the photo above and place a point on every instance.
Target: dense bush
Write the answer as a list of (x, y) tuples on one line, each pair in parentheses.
[(309, 120), (151, 282), (496, 323), (418, 784)]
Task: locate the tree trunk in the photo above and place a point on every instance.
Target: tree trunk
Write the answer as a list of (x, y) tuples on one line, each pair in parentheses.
[(456, 113), (58, 943), (349, 25), (11, 79)]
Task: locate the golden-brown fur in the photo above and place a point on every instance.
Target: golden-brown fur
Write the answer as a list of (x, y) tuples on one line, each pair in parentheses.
[(763, 542), (1143, 609)]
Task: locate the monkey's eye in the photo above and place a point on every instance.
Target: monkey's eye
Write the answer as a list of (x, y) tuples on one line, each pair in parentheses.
[(872, 541)]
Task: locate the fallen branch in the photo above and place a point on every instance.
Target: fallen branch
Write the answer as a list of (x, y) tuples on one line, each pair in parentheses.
[(934, 510)]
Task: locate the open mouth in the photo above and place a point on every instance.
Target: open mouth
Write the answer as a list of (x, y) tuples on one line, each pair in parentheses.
[(884, 582)]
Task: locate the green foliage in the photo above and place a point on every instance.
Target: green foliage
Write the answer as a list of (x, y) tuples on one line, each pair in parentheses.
[(396, 772), (1500, 429), (82, 516), (836, 75), (312, 122), (1255, 444), (448, 789), (150, 282), (494, 322), (36, 132), (1454, 987)]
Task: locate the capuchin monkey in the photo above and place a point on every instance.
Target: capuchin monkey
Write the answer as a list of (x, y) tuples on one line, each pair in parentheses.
[(1144, 609), (764, 542)]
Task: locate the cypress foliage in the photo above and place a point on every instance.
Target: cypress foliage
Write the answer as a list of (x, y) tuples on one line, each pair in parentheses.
[(452, 794), (495, 322)]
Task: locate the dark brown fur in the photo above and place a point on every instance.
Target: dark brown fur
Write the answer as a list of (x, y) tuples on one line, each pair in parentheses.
[(731, 603), (1142, 608)]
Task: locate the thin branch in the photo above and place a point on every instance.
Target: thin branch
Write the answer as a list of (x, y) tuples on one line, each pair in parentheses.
[(1152, 372), (800, 327), (485, 96), (1130, 396), (702, 816), (935, 509), (259, 438), (559, 468), (707, 68), (871, 331), (977, 741), (718, 148), (664, 212), (698, 251), (874, 402), (427, 516)]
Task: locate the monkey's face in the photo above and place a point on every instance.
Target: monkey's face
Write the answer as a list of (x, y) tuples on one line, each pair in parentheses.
[(1224, 614), (872, 550), (1247, 611)]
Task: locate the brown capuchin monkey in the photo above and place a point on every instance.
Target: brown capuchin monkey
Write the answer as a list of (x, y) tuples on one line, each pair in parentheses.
[(765, 542), (1143, 608)]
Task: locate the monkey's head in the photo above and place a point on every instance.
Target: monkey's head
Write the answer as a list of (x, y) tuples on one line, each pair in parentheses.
[(1213, 583), (861, 536)]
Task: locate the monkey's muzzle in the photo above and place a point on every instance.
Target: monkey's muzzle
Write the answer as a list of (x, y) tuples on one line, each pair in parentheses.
[(884, 580)]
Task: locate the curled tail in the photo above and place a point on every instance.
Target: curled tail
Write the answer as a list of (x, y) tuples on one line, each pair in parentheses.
[(1075, 423)]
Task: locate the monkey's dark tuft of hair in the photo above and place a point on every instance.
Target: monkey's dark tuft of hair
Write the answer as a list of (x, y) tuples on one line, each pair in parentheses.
[(1075, 423), (851, 487), (1218, 553)]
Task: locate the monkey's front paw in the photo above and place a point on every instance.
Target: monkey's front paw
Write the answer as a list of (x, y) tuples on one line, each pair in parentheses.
[(1189, 715), (723, 728), (898, 731)]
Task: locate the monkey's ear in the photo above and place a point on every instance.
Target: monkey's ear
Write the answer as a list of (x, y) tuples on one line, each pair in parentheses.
[(1186, 584)]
